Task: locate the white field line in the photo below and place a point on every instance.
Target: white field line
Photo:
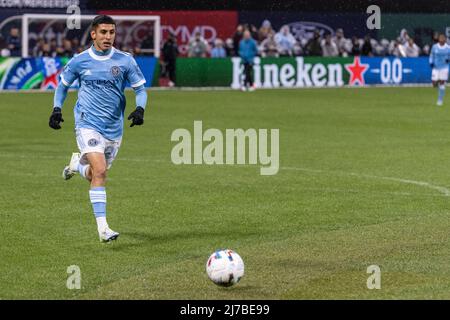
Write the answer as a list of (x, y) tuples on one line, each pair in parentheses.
[(443, 190)]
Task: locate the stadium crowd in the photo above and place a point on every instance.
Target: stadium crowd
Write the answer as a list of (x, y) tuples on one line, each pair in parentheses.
[(284, 44), (11, 46), (270, 44)]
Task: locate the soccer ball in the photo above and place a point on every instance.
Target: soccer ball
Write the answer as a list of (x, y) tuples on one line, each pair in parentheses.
[(225, 267)]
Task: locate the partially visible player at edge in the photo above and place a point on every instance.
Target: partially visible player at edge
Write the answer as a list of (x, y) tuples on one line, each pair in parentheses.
[(439, 60), (102, 72)]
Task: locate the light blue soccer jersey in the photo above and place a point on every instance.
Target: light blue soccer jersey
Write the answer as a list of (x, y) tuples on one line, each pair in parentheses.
[(440, 55), (101, 100)]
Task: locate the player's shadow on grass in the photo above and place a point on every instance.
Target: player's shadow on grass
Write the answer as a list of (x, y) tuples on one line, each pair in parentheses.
[(239, 287)]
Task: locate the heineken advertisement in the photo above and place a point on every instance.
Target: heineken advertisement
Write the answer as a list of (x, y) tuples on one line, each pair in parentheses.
[(43, 73), (302, 72), (299, 72)]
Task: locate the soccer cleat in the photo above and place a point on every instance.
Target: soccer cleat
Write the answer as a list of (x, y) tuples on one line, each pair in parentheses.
[(108, 235), (251, 88), (67, 174), (439, 103), (244, 88), (70, 170)]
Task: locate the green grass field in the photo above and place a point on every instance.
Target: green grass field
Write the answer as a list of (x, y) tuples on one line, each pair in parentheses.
[(364, 179)]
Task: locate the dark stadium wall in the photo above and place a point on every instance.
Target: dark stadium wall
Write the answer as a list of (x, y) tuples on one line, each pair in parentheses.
[(342, 6), (354, 24), (420, 25), (48, 5)]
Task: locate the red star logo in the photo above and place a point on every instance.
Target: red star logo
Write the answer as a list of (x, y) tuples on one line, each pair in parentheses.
[(356, 71), (50, 82)]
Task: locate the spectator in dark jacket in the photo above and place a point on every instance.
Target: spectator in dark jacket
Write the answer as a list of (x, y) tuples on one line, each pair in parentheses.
[(170, 54), (314, 46), (356, 48), (13, 42), (148, 42), (237, 37), (366, 49), (229, 48)]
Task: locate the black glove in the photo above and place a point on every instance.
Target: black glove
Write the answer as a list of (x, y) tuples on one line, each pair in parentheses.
[(55, 119), (137, 117), (432, 65)]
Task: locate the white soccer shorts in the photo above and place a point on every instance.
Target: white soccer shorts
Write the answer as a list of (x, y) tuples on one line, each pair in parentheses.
[(439, 74), (89, 140)]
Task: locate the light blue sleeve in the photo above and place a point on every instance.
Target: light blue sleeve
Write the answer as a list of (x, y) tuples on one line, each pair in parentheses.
[(60, 95), (134, 74), (70, 73), (141, 96)]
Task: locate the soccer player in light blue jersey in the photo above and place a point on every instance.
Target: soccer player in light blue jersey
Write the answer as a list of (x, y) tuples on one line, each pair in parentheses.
[(102, 72), (439, 60)]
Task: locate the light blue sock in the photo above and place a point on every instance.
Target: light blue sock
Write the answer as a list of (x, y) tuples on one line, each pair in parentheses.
[(98, 200), (441, 92)]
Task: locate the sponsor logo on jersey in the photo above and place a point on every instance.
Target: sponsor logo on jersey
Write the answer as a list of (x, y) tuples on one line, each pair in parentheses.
[(101, 84)]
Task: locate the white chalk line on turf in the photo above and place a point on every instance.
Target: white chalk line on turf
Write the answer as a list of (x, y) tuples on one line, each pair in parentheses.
[(425, 184), (442, 190)]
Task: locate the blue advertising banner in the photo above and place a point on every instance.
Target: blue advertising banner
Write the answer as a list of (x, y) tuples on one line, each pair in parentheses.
[(148, 67), (392, 70), (43, 73), (33, 73)]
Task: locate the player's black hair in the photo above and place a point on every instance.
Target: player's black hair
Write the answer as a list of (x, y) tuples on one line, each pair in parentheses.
[(102, 19)]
